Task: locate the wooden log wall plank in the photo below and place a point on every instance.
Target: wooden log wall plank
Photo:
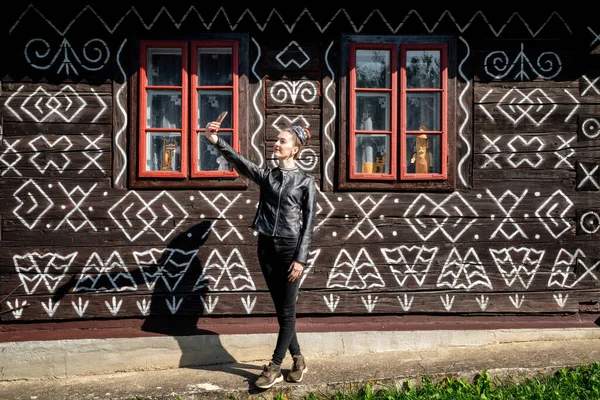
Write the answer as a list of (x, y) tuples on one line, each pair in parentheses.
[(43, 102), (58, 156), (480, 202)]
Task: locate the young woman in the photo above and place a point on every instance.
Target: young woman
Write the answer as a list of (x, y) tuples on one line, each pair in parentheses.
[(284, 220)]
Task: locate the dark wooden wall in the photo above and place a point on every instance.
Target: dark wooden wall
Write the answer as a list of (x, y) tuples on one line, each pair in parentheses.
[(519, 235)]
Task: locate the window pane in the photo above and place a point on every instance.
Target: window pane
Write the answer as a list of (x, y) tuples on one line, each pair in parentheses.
[(373, 111), (164, 67), (208, 157), (423, 111), (423, 69), (215, 67), (163, 151), (163, 109), (372, 154), (210, 105), (373, 69), (423, 154)]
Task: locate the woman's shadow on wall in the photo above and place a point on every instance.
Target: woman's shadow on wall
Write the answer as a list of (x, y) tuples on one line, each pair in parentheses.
[(180, 299)]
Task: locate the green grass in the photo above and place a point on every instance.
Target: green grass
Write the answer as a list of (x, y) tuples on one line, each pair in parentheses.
[(581, 383)]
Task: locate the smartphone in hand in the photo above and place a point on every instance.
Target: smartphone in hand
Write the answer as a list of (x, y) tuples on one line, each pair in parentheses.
[(220, 119), (222, 116)]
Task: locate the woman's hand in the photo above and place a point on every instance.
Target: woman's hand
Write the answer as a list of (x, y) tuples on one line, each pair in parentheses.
[(211, 131), (295, 271)]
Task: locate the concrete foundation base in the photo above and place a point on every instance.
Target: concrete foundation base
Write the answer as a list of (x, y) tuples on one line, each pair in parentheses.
[(68, 358)]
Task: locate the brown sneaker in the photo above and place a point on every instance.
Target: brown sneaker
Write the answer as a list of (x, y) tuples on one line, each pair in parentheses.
[(271, 375), (298, 369)]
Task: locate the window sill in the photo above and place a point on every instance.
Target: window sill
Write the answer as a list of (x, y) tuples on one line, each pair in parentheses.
[(412, 186), (203, 184)]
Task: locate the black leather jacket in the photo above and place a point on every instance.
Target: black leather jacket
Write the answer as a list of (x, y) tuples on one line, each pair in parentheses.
[(288, 202)]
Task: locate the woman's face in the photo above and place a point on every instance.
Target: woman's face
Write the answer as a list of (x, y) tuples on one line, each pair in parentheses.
[(285, 146)]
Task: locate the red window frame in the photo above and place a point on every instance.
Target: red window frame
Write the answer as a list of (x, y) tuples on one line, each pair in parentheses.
[(189, 107), (194, 88), (398, 98), (443, 133), (393, 49), (143, 129)]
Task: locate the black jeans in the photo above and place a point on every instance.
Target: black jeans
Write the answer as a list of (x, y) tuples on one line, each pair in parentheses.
[(275, 256)]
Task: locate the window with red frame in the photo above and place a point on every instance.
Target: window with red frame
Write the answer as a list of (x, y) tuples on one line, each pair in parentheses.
[(397, 128), (183, 86)]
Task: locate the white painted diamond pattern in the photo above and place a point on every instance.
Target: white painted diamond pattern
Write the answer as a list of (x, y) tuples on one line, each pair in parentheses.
[(33, 203), (134, 216), (535, 105), (439, 217), (41, 105)]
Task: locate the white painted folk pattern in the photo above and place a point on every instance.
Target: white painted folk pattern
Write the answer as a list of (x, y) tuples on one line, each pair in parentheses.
[(34, 210), (257, 101), (47, 268), (105, 275), (415, 260), (452, 220), (137, 209), (465, 272), (225, 274), (168, 266), (5, 155), (66, 160), (66, 56), (306, 91), (293, 47), (463, 131), (328, 126), (355, 24), (39, 106), (354, 273), (221, 216), (121, 100), (548, 64), (517, 264)]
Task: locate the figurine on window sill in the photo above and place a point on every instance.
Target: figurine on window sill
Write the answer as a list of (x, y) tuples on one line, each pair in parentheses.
[(422, 158), (379, 167), (223, 164)]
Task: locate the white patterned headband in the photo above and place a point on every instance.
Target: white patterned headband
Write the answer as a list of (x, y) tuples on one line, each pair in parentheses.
[(301, 133)]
